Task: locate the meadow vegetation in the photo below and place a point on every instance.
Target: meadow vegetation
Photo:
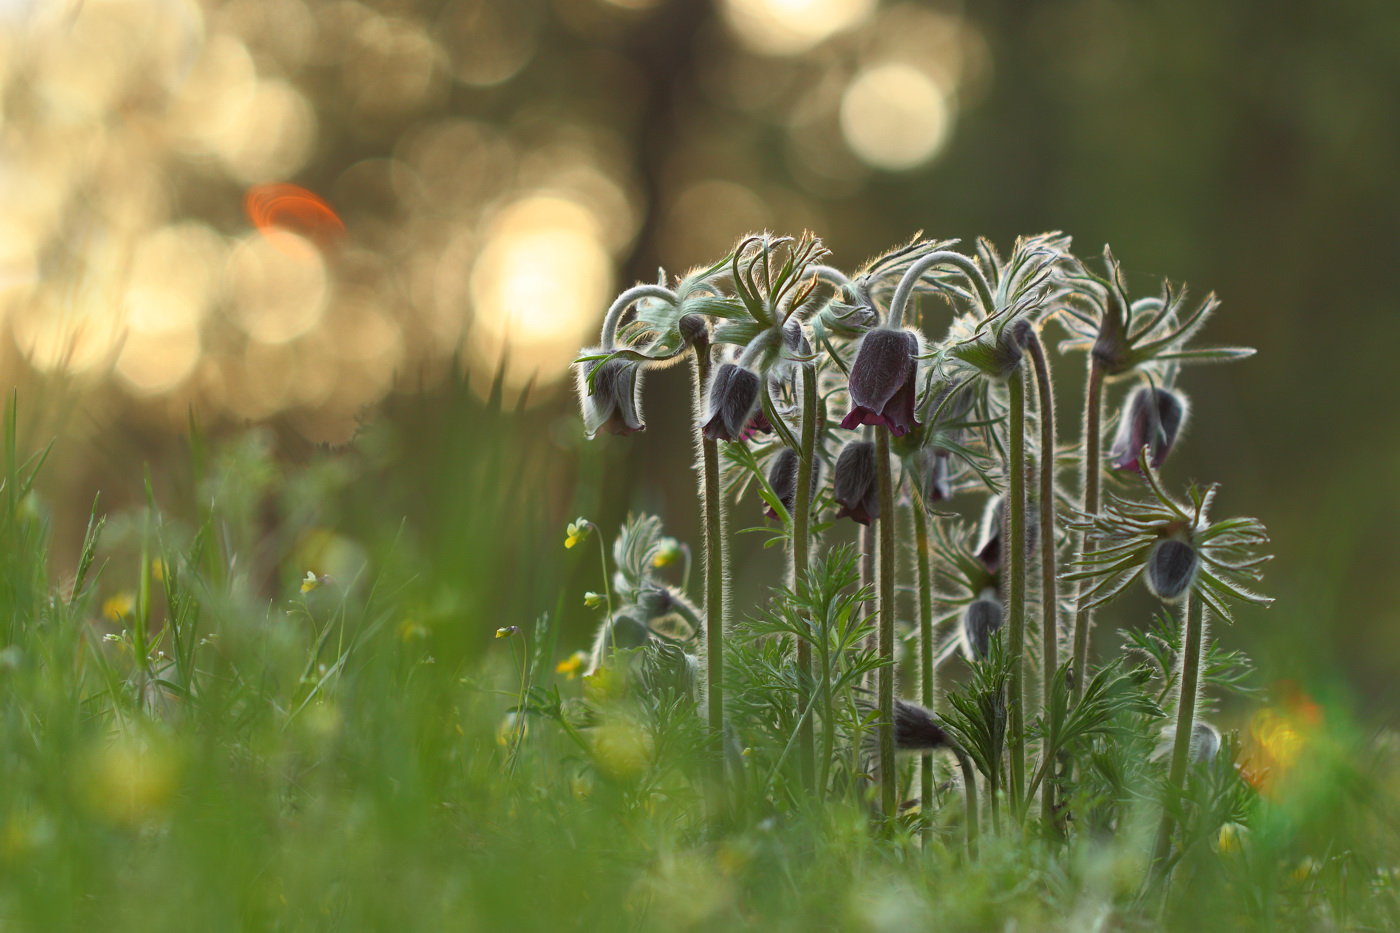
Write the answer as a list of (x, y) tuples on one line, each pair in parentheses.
[(338, 696)]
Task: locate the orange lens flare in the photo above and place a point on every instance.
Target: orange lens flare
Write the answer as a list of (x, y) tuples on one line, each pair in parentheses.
[(274, 209)]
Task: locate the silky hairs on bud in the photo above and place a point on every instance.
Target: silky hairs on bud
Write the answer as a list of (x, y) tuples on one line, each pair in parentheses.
[(854, 485), (1171, 567), (782, 476), (1141, 426), (615, 402), (732, 398), (981, 620), (994, 531), (884, 381)]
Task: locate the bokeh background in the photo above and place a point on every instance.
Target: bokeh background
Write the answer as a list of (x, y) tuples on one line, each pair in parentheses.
[(474, 179)]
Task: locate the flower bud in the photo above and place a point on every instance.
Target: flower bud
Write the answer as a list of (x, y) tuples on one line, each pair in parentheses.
[(995, 528), (623, 632), (1205, 742), (981, 620), (732, 397), (883, 381), (782, 476), (854, 483), (695, 330), (616, 400), (1171, 566), (1152, 417), (915, 728)]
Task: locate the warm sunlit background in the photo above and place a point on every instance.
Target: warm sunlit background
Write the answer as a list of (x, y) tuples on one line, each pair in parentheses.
[(287, 211)]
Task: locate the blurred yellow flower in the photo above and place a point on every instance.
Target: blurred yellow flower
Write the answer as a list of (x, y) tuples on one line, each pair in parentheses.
[(158, 570), (571, 665), (118, 606), (130, 779), (1231, 838), (507, 631), (621, 748), (410, 629), (311, 581), (669, 553)]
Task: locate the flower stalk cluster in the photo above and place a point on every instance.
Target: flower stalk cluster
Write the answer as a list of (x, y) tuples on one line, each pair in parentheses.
[(928, 414)]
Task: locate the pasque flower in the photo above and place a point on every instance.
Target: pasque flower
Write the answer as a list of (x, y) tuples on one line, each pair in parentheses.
[(614, 400), (981, 620), (883, 381), (854, 485), (1152, 418), (732, 398), (782, 476), (1174, 547)]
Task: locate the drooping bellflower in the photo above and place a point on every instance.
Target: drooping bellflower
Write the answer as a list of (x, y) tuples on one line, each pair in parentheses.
[(883, 382)]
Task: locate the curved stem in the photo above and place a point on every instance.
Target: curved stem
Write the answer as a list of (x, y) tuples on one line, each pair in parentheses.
[(1194, 622), (911, 277), (1015, 562), (969, 774), (888, 802), (716, 583), (926, 652), (624, 301), (1092, 473), (1049, 595), (802, 509), (756, 348), (830, 274)]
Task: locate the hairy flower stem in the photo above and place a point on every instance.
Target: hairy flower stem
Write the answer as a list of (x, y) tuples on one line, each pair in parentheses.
[(888, 802), (1092, 474), (801, 541), (1193, 619), (1015, 562), (716, 584), (969, 774), (926, 652), (1049, 597)]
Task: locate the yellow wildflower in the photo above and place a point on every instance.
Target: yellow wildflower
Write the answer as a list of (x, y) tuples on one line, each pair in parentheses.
[(571, 665), (118, 606), (158, 570), (507, 631), (311, 581), (578, 530)]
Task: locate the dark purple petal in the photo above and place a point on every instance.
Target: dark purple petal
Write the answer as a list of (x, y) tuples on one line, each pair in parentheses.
[(883, 381), (758, 424), (1141, 426), (854, 485), (782, 476), (732, 397)]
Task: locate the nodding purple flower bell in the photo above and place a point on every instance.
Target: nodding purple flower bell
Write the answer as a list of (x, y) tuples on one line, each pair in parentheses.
[(915, 729), (616, 400), (883, 381), (981, 620), (732, 398), (782, 476), (1152, 417), (995, 528), (854, 484), (1171, 566)]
